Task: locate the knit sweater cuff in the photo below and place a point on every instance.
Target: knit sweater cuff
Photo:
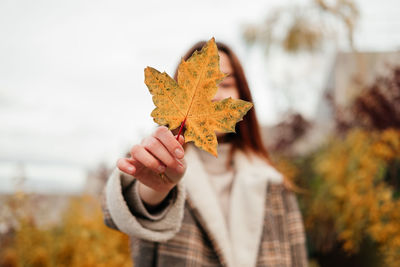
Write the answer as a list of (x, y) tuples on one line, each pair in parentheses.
[(167, 223), (138, 208)]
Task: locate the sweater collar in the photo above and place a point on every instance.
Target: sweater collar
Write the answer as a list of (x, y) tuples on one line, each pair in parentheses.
[(215, 165)]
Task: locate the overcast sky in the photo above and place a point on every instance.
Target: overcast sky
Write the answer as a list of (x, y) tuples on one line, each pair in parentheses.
[(71, 74)]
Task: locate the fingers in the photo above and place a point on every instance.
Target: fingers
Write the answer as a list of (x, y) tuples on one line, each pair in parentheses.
[(159, 153), (126, 166), (181, 140), (157, 149), (166, 137), (144, 157), (175, 174)]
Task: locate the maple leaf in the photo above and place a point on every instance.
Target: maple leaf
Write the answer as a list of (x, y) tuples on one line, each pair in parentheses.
[(188, 101)]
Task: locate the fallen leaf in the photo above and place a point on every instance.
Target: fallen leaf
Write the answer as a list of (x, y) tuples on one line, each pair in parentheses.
[(189, 100)]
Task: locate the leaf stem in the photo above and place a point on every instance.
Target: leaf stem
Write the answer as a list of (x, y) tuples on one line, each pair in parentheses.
[(180, 129)]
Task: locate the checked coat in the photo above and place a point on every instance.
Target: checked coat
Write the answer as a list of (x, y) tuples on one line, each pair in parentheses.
[(265, 226)]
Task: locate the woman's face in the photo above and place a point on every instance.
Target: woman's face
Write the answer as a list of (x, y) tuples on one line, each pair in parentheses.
[(228, 87)]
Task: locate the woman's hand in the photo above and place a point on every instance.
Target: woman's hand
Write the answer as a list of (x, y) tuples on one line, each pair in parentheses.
[(158, 163)]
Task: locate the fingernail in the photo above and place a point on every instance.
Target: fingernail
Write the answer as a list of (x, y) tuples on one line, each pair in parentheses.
[(161, 169), (179, 153), (180, 167), (130, 169)]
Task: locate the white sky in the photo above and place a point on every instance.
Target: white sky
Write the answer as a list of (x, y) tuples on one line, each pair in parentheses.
[(71, 74)]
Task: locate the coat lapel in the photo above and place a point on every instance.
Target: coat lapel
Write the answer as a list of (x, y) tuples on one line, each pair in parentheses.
[(204, 199), (240, 245), (248, 198)]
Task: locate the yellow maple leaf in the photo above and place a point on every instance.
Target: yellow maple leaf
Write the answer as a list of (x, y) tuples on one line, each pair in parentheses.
[(188, 101)]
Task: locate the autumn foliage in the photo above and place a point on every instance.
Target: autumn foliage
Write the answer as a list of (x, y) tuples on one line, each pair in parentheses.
[(351, 204), (80, 239)]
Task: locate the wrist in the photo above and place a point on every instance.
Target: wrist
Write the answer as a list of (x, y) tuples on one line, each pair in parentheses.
[(150, 197)]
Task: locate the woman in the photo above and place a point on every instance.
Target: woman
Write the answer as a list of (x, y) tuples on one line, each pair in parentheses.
[(233, 210)]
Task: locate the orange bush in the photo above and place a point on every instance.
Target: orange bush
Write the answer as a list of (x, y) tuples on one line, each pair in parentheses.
[(81, 239)]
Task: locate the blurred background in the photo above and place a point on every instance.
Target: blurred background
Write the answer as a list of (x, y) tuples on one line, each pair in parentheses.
[(325, 76)]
